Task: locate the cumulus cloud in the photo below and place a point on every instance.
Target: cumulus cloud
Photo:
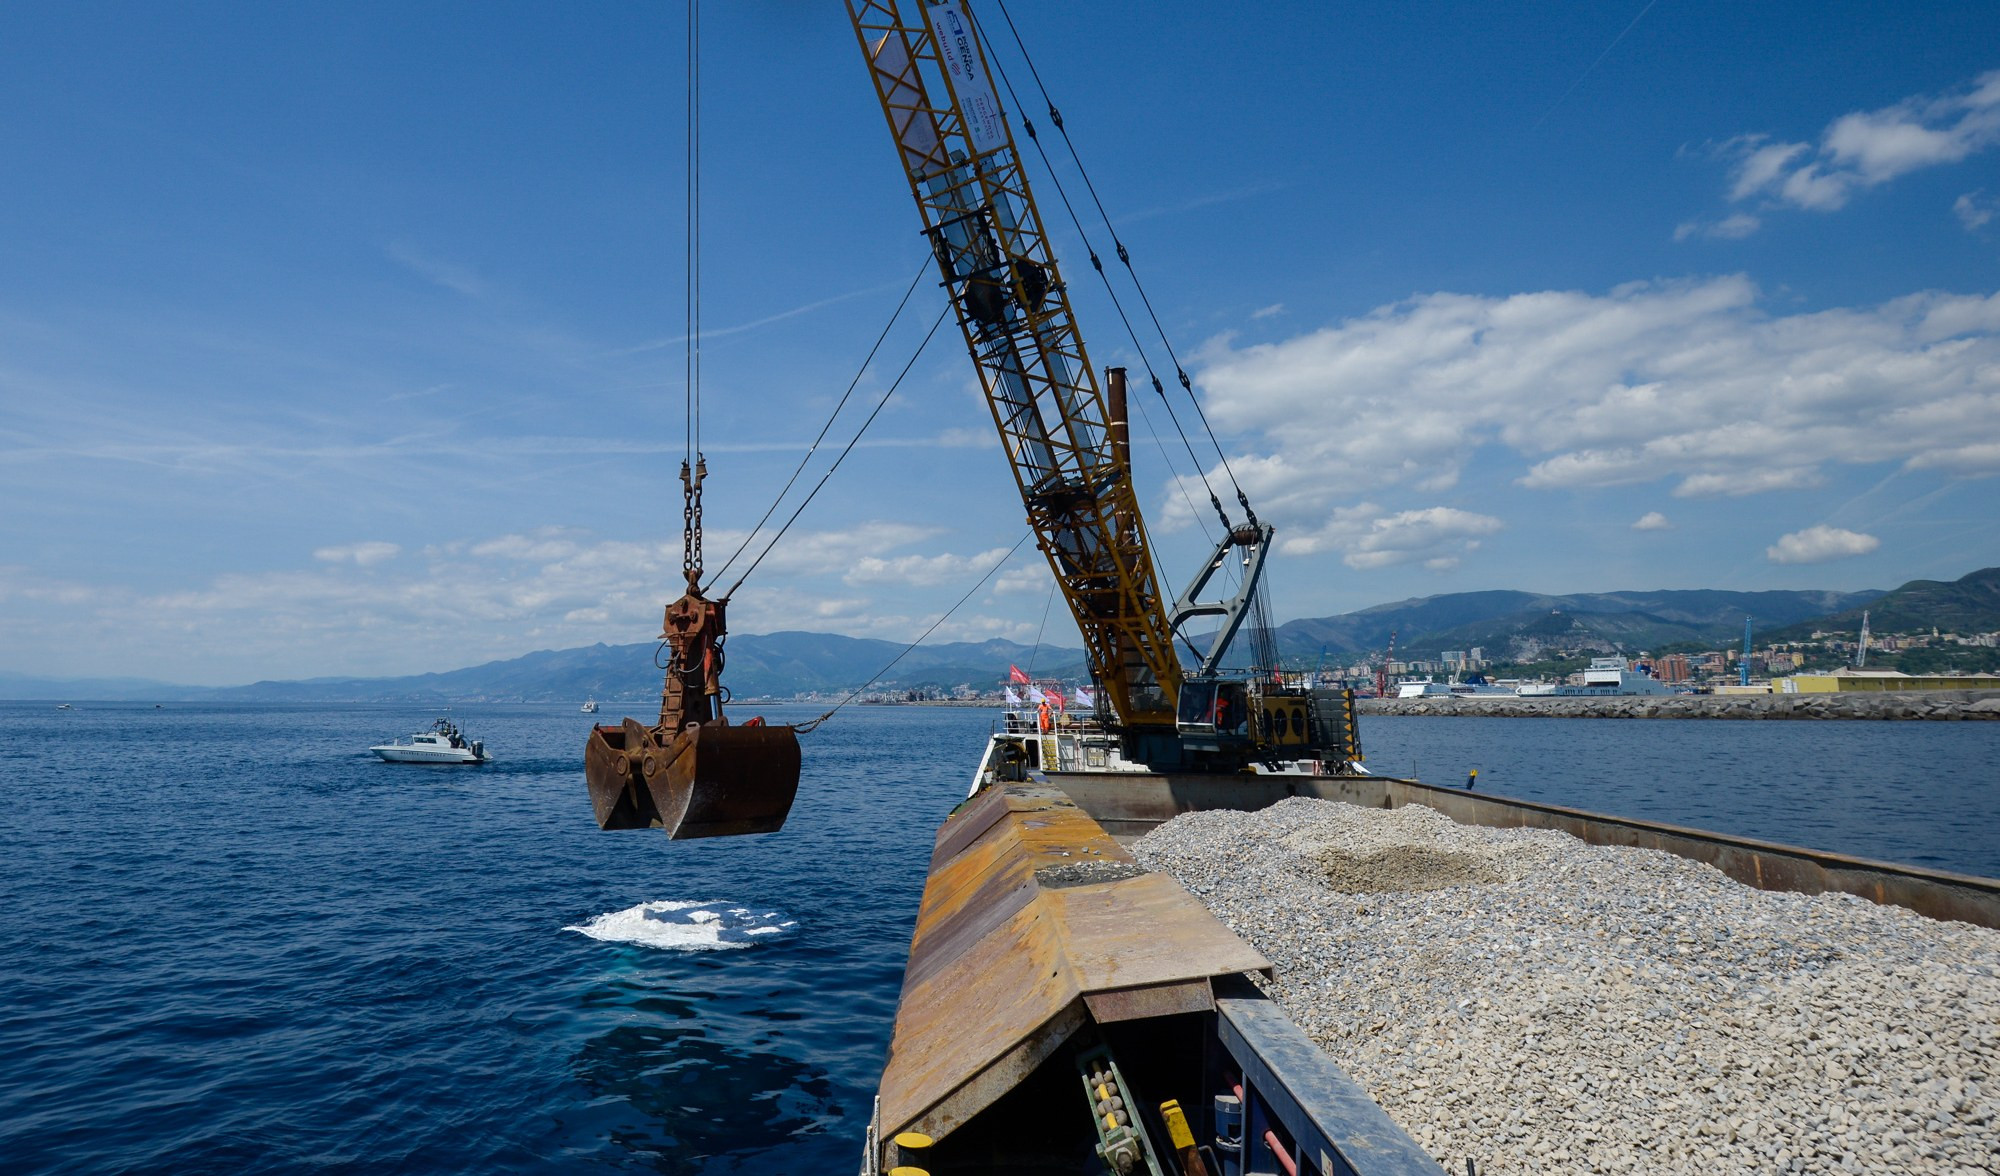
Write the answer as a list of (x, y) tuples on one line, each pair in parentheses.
[(1652, 520), (1369, 537), (1868, 147), (923, 571), (365, 554), (1819, 544), (1973, 211), (549, 543), (466, 601), (1691, 380)]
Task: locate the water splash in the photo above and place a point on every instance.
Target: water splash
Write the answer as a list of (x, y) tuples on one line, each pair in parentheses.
[(689, 926)]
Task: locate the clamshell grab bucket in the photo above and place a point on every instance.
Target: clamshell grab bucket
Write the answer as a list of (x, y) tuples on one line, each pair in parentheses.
[(705, 780)]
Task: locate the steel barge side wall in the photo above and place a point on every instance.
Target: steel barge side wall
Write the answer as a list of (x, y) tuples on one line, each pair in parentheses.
[(1128, 805)]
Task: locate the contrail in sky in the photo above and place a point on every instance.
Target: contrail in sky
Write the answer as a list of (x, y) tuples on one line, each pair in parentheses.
[(1593, 65)]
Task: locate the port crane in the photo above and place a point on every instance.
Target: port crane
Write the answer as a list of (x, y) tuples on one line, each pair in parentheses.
[(1065, 437)]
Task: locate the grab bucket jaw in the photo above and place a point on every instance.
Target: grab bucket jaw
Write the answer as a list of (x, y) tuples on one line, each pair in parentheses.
[(705, 780)]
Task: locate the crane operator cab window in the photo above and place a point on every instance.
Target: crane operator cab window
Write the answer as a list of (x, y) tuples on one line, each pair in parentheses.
[(1213, 706)]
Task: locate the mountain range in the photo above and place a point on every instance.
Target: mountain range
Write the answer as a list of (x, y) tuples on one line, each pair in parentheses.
[(1505, 625)]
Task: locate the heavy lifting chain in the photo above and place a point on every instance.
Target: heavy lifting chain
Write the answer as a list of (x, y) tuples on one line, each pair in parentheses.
[(691, 520)]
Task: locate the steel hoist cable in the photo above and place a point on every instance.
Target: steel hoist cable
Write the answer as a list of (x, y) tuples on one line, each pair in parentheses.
[(693, 467), (831, 417), (807, 727), (1097, 264), (1125, 257), (849, 448)]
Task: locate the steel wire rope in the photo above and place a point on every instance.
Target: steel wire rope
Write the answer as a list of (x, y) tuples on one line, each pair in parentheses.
[(824, 429), (1097, 263), (1047, 605), (811, 725), (849, 448), (1180, 372), (692, 358)]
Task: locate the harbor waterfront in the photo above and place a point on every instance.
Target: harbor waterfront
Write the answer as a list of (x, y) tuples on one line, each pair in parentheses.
[(283, 952), (1930, 704)]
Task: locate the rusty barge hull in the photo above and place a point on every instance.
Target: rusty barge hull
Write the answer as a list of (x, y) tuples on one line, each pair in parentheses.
[(1039, 939)]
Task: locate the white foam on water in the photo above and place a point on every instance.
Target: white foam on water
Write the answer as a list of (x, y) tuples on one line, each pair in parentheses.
[(688, 926)]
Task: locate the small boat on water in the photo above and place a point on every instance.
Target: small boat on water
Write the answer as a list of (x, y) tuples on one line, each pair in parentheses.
[(589, 706), (64, 706), (444, 743)]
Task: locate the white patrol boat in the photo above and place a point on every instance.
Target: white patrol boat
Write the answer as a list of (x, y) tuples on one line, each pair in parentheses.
[(444, 743)]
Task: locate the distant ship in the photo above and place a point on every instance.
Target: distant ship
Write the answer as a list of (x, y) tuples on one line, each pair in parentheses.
[(1610, 676), (589, 706)]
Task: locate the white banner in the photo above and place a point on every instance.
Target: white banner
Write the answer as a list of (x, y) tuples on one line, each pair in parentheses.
[(959, 50)]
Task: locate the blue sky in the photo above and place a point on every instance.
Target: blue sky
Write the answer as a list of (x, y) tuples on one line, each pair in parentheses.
[(348, 339)]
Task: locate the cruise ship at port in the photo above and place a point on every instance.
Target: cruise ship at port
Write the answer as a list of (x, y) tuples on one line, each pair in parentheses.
[(1611, 677)]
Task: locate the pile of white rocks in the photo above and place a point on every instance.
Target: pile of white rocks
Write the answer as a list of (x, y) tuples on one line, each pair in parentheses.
[(1542, 1005)]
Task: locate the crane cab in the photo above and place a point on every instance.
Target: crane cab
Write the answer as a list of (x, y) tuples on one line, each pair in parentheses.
[(1266, 721), (1214, 713)]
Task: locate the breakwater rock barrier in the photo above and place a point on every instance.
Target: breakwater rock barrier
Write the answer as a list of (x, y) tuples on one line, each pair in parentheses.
[(1929, 704)]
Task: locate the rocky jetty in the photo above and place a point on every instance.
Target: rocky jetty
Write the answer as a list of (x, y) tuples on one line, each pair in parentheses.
[(1540, 1005), (1929, 704)]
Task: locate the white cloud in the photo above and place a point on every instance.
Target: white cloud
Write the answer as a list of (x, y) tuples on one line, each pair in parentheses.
[(1369, 537), (454, 277), (1973, 212), (365, 554), (1266, 312), (1869, 147), (1730, 228), (544, 545), (1652, 520), (1740, 483), (1689, 380), (924, 571), (1819, 544), (463, 602)]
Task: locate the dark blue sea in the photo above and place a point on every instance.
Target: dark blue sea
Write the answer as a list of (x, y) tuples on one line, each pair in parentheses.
[(231, 940)]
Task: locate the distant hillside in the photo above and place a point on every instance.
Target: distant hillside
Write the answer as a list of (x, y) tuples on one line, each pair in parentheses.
[(768, 664), (1969, 604), (1504, 624), (1523, 624)]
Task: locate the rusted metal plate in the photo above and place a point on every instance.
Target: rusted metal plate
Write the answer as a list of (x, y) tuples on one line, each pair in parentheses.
[(1159, 1000), (1144, 930), (1027, 957)]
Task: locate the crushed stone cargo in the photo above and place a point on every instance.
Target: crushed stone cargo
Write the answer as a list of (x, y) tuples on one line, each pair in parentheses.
[(1542, 1005)]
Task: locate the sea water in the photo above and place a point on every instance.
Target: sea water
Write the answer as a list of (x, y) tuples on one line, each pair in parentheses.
[(232, 940)]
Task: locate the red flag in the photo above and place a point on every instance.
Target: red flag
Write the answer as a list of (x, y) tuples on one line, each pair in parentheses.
[(1014, 674)]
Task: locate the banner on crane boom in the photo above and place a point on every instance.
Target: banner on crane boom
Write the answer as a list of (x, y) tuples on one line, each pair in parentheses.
[(959, 51)]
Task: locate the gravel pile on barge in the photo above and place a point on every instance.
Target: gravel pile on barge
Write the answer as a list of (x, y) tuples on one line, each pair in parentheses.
[(1542, 1005)]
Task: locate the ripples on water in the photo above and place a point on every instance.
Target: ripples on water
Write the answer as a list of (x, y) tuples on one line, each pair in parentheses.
[(233, 940), (236, 941), (1921, 793)]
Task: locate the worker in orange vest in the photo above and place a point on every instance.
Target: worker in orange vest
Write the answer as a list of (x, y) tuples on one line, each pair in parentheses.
[(1045, 716)]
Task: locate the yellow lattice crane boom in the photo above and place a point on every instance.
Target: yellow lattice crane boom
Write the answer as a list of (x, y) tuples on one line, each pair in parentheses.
[(930, 73)]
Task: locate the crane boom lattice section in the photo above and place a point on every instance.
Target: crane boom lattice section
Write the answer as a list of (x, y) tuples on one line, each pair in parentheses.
[(958, 153)]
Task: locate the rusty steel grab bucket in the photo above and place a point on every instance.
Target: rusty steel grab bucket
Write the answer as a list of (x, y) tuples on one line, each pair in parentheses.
[(706, 780)]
